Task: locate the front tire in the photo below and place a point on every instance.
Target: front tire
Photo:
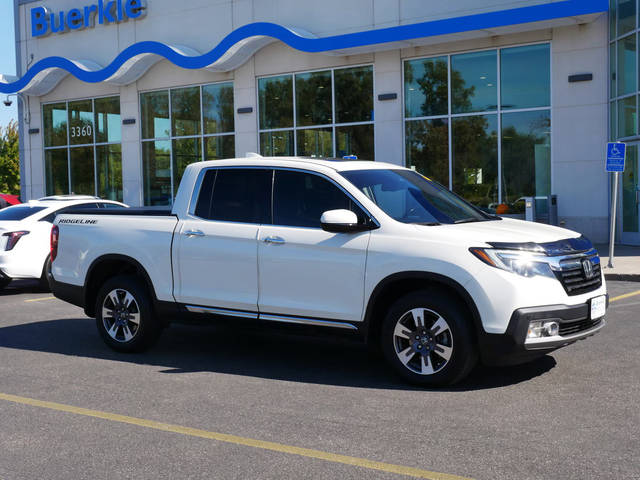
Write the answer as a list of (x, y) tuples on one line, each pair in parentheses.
[(125, 316), (427, 338)]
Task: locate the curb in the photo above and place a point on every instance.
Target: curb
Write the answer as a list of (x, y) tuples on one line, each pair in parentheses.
[(622, 277)]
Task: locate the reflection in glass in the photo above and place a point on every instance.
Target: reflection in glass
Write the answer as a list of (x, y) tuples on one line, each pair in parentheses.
[(217, 106), (107, 122), (475, 159), (427, 147), (56, 171), (613, 122), (313, 99), (185, 111), (525, 77), (526, 158), (109, 169), (626, 16), (185, 152), (630, 184), (155, 114), (425, 87), (80, 122), (627, 73), (354, 94), (612, 19), (275, 97), (81, 163), (217, 148), (612, 71), (315, 142), (156, 172), (474, 82), (55, 124), (355, 140), (627, 117), (277, 144)]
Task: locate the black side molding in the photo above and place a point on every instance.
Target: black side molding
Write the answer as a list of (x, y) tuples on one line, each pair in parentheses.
[(72, 294)]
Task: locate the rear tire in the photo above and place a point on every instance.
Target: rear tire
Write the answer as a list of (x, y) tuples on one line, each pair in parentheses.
[(124, 315), (46, 279), (427, 338)]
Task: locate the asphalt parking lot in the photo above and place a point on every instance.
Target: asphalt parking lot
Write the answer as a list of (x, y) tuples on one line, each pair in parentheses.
[(220, 402)]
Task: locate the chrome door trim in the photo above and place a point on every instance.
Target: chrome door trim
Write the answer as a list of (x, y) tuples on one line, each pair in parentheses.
[(221, 311), (307, 321)]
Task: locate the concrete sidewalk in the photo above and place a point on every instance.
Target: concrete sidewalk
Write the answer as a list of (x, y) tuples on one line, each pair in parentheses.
[(626, 262)]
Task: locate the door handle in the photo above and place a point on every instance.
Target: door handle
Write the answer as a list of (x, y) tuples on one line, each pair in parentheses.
[(194, 233), (275, 240)]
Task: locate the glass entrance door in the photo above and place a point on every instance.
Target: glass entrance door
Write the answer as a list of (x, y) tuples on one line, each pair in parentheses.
[(630, 198)]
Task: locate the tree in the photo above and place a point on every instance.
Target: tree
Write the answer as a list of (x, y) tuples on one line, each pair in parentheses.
[(9, 160)]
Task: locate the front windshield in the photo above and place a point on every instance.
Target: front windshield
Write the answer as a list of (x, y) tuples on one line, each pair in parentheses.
[(18, 212), (408, 197)]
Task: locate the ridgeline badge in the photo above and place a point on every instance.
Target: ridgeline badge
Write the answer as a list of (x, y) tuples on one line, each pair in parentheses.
[(44, 22)]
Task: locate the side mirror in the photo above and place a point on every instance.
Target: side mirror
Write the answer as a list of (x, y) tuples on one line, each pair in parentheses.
[(340, 221)]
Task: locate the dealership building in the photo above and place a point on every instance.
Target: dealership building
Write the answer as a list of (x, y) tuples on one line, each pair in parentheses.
[(498, 100)]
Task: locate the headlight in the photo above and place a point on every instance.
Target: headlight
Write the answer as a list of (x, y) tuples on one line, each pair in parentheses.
[(526, 264)]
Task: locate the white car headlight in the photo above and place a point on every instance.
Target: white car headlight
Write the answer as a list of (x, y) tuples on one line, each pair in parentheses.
[(523, 263)]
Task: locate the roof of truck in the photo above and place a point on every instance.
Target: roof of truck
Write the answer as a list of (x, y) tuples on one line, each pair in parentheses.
[(338, 164)]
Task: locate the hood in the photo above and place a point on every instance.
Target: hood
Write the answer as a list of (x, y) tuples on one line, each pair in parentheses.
[(508, 230)]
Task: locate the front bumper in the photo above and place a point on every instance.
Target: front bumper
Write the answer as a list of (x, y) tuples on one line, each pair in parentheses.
[(512, 347)]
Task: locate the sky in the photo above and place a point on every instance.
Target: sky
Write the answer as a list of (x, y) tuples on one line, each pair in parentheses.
[(7, 57)]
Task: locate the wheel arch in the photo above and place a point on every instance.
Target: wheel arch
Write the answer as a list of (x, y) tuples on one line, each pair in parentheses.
[(389, 288), (107, 266)]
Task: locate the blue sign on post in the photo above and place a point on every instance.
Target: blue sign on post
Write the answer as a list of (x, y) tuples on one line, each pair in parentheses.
[(616, 152)]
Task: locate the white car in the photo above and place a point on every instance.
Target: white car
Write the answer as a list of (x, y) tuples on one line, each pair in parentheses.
[(346, 246), (25, 231)]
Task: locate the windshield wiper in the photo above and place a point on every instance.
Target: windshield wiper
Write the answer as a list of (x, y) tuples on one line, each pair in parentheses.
[(468, 220)]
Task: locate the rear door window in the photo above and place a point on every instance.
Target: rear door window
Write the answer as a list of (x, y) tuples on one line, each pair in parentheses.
[(239, 195)]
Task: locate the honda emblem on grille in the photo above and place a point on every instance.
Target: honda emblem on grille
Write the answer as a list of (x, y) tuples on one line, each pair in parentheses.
[(587, 268)]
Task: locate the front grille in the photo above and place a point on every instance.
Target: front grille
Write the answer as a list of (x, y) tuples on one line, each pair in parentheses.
[(573, 277), (571, 328)]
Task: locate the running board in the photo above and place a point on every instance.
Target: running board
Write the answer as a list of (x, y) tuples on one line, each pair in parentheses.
[(271, 318)]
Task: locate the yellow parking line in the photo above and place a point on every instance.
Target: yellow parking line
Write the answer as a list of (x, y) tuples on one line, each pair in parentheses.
[(40, 299), (244, 441), (626, 295)]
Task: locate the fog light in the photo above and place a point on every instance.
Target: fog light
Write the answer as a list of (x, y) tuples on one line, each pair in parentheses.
[(538, 329)]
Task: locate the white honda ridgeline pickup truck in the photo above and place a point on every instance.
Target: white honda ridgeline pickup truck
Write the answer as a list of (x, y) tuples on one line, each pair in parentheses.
[(358, 246)]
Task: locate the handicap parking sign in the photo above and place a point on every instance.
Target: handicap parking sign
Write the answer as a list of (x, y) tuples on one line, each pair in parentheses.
[(616, 152)]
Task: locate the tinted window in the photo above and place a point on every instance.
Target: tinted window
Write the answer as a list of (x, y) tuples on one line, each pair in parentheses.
[(242, 195), (110, 205), (203, 207), (18, 212), (300, 199)]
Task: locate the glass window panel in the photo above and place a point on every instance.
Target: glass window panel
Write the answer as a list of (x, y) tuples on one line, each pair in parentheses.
[(525, 75), (277, 144), (313, 99), (316, 142), (109, 168), (275, 98), (156, 171), (155, 114), (81, 163), (80, 122), (354, 94), (108, 124), (355, 140), (626, 16), (612, 71), (185, 152), (627, 117), (526, 158), (217, 148), (613, 122), (474, 82), (56, 171), (630, 183), (612, 19), (217, 107), (475, 159), (426, 87), (242, 195), (203, 207), (55, 124), (300, 199), (627, 73), (185, 111), (427, 148)]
